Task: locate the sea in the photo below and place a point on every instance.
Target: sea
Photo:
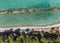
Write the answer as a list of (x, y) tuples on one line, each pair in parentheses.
[(39, 18)]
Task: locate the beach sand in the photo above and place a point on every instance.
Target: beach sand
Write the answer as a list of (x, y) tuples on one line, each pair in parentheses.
[(36, 28)]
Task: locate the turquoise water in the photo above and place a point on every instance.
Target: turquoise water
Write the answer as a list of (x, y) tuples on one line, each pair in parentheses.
[(39, 18), (6, 4)]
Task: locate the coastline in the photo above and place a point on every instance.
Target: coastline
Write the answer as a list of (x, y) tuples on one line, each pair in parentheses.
[(36, 28)]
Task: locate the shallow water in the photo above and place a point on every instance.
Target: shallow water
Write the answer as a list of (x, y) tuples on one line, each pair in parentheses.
[(39, 18)]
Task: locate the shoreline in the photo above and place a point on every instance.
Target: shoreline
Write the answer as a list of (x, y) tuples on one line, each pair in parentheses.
[(36, 28), (56, 23)]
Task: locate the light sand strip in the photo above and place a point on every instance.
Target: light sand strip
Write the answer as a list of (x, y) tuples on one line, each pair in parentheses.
[(32, 27), (29, 10)]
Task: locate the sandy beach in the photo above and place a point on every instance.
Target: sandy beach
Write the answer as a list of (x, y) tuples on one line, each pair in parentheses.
[(36, 28)]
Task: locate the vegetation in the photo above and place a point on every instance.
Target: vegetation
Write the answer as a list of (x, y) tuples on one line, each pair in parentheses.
[(30, 37)]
